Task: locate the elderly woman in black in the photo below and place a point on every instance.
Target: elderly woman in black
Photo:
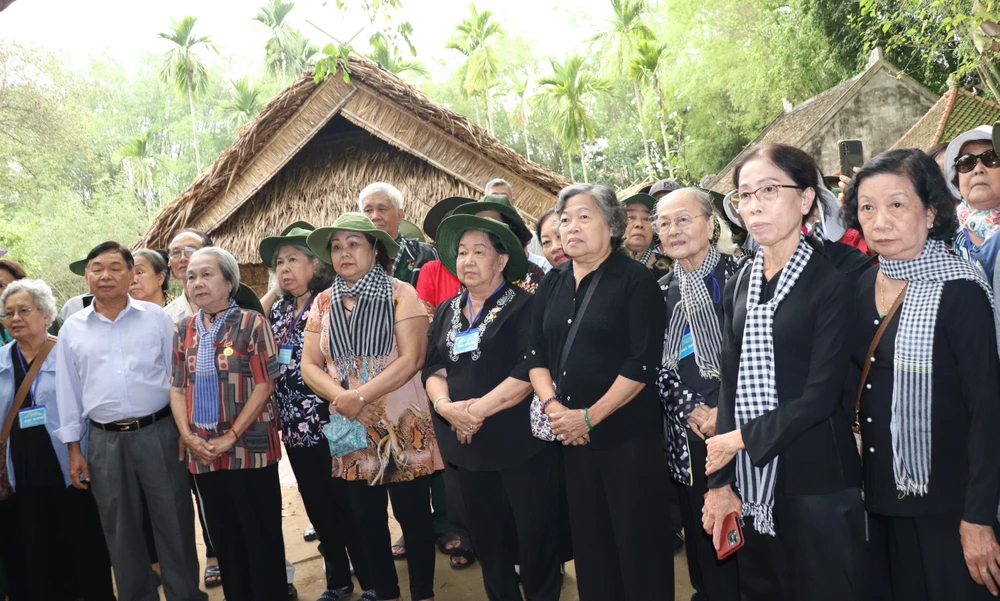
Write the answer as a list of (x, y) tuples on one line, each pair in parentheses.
[(595, 346), (478, 380), (693, 236), (929, 406), (784, 435)]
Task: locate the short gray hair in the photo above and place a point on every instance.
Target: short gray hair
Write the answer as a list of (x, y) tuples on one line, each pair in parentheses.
[(158, 262), (40, 293), (725, 244), (392, 192), (228, 265), (499, 181), (606, 200), (323, 274)]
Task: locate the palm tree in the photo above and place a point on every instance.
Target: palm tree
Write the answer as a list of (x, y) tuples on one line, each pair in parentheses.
[(643, 68), (183, 69), (138, 161), (520, 89), (472, 37), (568, 90), (245, 101), (392, 62), (277, 50), (302, 54)]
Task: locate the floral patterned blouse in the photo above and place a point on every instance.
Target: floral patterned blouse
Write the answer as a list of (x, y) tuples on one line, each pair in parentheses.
[(303, 414), (530, 281), (402, 446)]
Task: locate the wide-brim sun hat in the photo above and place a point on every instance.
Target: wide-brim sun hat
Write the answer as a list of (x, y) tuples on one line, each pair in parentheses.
[(319, 240), (501, 204), (247, 299), (644, 199), (831, 216), (981, 133), (408, 229), (441, 209), (296, 234), (452, 229), (79, 267)]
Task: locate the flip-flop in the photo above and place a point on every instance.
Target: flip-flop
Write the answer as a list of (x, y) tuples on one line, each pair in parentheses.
[(213, 572), (442, 540), (401, 544), (468, 555)]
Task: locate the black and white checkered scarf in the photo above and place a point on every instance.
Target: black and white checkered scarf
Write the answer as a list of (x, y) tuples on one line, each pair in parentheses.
[(695, 309), (756, 390), (370, 333), (913, 369)]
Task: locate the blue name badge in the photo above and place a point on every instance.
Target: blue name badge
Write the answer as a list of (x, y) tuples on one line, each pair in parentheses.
[(466, 341), (31, 417), (284, 354), (687, 343)]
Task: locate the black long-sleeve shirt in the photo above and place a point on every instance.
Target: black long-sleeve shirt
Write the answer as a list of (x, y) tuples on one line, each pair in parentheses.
[(810, 430), (965, 406), (621, 335)]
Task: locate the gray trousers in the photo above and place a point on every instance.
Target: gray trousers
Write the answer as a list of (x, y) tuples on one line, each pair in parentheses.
[(122, 463)]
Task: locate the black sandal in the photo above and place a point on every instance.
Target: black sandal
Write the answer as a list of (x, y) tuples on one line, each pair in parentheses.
[(213, 572), (402, 545), (467, 554)]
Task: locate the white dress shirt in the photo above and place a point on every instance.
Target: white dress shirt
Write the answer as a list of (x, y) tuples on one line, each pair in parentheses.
[(179, 309), (540, 261), (109, 371)]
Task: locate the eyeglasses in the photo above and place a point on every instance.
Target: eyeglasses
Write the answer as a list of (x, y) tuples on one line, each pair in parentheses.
[(23, 312), (967, 162), (768, 193), (177, 252), (683, 222)]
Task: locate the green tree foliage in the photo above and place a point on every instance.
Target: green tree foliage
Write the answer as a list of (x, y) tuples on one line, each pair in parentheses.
[(184, 69), (472, 38), (245, 102), (391, 61)]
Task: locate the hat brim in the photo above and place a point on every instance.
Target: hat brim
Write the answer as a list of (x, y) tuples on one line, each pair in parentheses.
[(981, 133), (79, 267), (452, 229), (516, 223), (644, 199), (440, 210), (247, 299), (269, 247), (408, 229), (319, 241)]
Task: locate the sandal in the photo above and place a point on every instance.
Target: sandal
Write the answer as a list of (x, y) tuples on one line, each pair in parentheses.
[(445, 539), (401, 545), (463, 551), (467, 554), (213, 576)]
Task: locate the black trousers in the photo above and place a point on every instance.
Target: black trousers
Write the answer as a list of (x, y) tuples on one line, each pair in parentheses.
[(411, 506), (513, 518), (717, 580), (57, 545), (328, 506), (619, 528), (243, 510), (918, 559), (817, 555)]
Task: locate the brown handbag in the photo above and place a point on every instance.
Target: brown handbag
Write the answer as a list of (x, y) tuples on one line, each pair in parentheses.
[(868, 362)]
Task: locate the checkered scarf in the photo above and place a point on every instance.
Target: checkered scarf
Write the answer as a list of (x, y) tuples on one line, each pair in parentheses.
[(756, 391), (371, 331), (913, 369), (695, 309), (205, 412)]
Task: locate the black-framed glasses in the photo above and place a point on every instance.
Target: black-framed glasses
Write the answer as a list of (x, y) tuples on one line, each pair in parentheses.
[(766, 193), (967, 162)]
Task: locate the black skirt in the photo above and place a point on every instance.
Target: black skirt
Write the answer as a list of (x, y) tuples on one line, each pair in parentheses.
[(31, 452)]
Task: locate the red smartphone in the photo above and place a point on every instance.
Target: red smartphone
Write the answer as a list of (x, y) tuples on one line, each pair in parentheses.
[(732, 535)]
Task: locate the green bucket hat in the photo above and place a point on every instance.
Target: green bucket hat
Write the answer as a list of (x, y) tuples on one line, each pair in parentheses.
[(501, 204), (452, 229), (408, 229), (79, 267), (644, 199), (296, 234), (440, 210), (319, 240)]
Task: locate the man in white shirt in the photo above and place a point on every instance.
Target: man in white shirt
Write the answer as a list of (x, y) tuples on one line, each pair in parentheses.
[(113, 365)]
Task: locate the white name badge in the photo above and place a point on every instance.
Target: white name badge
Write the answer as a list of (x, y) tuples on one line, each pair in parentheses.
[(284, 354), (31, 417), (466, 342)]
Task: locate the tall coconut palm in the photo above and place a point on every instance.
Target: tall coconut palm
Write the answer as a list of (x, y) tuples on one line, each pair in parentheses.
[(472, 38), (302, 54), (138, 162), (184, 70), (244, 102), (643, 70), (277, 49), (569, 90), (391, 61)]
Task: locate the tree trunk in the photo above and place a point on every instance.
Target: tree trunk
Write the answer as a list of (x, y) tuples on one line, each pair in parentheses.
[(489, 107), (527, 143), (194, 121), (475, 101), (663, 128), (569, 161), (583, 159), (642, 128)]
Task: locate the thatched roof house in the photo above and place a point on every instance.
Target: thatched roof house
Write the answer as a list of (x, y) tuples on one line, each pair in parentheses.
[(315, 146), (956, 112)]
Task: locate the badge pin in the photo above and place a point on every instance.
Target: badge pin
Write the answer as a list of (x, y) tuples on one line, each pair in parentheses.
[(227, 351)]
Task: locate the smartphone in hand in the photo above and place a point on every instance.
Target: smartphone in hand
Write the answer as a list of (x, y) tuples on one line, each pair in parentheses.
[(851, 156)]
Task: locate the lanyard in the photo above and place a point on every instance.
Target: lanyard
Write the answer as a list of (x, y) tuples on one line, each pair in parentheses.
[(305, 307), (468, 301), (24, 368)]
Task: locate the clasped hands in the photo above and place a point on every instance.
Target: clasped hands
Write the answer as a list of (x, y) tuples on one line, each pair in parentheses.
[(206, 451), (463, 416), (349, 404), (569, 425)]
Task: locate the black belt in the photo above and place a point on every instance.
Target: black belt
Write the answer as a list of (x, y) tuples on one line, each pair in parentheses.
[(135, 423)]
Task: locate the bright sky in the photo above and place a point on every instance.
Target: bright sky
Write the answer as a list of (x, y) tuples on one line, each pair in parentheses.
[(127, 28)]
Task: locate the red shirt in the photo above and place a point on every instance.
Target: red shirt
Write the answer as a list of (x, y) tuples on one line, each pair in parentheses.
[(436, 284)]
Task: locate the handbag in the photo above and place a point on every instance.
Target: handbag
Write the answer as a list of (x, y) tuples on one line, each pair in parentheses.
[(541, 423), (345, 435), (19, 397), (856, 426)]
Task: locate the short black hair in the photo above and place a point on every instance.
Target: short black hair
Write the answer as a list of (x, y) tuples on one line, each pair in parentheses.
[(927, 179), (111, 246), (14, 269), (205, 239), (538, 224)]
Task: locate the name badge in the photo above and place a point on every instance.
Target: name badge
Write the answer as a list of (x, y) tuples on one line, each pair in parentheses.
[(31, 417), (466, 341), (284, 354), (687, 343)]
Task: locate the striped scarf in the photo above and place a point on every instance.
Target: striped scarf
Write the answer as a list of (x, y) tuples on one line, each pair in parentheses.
[(206, 373), (695, 309), (371, 331), (756, 390), (913, 365)]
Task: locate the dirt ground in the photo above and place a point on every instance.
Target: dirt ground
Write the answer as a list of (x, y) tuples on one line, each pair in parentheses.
[(451, 585)]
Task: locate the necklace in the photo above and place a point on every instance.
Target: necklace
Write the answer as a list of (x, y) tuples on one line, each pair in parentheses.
[(881, 296), (213, 316)]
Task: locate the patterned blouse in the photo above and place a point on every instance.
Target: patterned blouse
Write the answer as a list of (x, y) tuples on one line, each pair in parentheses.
[(246, 357), (529, 283), (303, 414), (402, 446)]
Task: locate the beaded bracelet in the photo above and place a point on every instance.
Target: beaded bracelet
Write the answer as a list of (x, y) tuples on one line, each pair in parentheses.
[(547, 401)]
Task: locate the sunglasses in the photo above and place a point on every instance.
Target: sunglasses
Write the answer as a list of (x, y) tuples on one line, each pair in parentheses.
[(967, 162)]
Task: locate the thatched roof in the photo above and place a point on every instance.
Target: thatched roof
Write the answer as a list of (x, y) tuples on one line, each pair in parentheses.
[(956, 112), (385, 107)]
